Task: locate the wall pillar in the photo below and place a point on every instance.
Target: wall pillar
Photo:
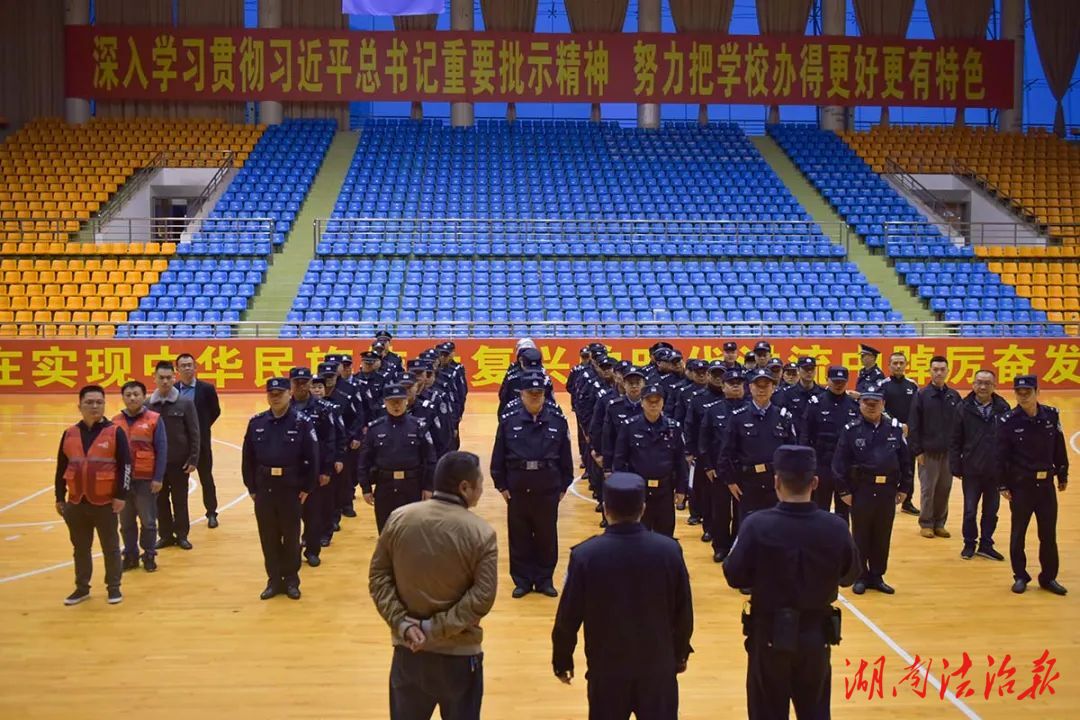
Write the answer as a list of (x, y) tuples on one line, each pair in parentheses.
[(270, 111), (461, 18), (76, 12)]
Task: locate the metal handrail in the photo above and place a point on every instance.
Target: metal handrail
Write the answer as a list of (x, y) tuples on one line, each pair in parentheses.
[(974, 233), (936, 205), (1018, 210), (226, 164), (711, 234), (460, 328), (131, 186)]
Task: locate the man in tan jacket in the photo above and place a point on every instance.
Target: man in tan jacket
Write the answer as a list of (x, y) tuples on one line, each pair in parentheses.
[(433, 578)]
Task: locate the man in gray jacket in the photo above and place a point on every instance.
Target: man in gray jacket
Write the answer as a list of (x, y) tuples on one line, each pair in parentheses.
[(182, 437), (433, 578)]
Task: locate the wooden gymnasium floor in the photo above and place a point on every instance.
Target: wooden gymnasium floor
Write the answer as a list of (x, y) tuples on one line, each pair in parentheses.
[(195, 641)]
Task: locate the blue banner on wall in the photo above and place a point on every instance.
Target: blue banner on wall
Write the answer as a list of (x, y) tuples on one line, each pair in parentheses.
[(392, 7)]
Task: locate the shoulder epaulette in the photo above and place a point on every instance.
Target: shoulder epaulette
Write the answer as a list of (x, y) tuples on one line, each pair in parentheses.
[(738, 410), (814, 399), (784, 412), (852, 424)]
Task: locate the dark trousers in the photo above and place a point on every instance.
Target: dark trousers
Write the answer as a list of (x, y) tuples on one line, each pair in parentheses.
[(872, 517), (277, 513), (595, 474), (345, 482), (390, 495), (701, 498), (659, 515), (316, 515), (978, 489), (82, 520), (647, 697), (206, 476), (826, 495), (532, 528), (138, 521), (725, 517), (757, 494), (1041, 501), (777, 678), (172, 503), (420, 681)]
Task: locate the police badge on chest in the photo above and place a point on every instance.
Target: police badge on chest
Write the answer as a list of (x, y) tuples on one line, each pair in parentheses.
[(860, 443)]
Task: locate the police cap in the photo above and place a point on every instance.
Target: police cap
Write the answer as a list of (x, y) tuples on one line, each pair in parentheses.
[(806, 362), (794, 460), (624, 493), (791, 367), (345, 359), (664, 354), (395, 392), (676, 356), (606, 361), (734, 375), (762, 346), (369, 356), (760, 374), (300, 373), (838, 372), (731, 346), (532, 381), (750, 357), (774, 362), (867, 350), (418, 365), (622, 366), (872, 393), (327, 369), (383, 334), (1022, 382), (696, 365), (657, 345), (530, 357), (276, 384), (652, 390), (632, 371)]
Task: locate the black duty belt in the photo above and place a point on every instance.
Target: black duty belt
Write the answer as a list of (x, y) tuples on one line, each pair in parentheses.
[(276, 471), (759, 469), (656, 483), (397, 474), (529, 464)]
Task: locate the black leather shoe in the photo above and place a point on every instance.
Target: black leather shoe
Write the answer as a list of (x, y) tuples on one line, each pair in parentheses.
[(520, 592), (1019, 586), (348, 512), (165, 542), (313, 560), (706, 536), (130, 563), (859, 587), (882, 587), (270, 591), (211, 521), (292, 592), (909, 508), (150, 563), (324, 542), (968, 552), (990, 553), (1055, 587), (599, 507), (693, 520), (744, 591), (337, 526), (603, 522), (718, 557), (183, 543), (548, 590)]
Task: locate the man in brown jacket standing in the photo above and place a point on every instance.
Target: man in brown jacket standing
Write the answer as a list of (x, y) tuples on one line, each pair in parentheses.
[(433, 579)]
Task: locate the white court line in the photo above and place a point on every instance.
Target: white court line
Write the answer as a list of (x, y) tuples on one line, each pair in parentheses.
[(26, 460), (1073, 439), (69, 563), (31, 496), (904, 654)]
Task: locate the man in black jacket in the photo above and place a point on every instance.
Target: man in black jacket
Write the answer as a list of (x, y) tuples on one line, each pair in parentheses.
[(929, 430), (972, 458), (631, 589), (183, 441), (208, 409), (899, 393)]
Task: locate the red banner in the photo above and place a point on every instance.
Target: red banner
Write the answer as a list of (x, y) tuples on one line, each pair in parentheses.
[(208, 64), (243, 365)]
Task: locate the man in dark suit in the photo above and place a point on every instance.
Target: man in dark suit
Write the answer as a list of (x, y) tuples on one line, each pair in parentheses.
[(631, 589), (205, 398)]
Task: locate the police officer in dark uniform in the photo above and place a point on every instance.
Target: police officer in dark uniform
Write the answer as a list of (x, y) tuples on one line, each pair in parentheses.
[(652, 369), (318, 508), (827, 414), (749, 361), (775, 366), (631, 590), (789, 375), (696, 383), (280, 467), (397, 457), (390, 360), (723, 518), (795, 397), (352, 413), (1031, 452), (762, 355), (730, 360), (870, 375), (793, 557), (671, 380), (627, 406), (529, 359), (752, 436), (899, 393), (873, 470), (369, 384), (651, 445), (603, 383), (532, 466)]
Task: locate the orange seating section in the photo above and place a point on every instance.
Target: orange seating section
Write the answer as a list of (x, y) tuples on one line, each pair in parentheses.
[(53, 297), (1037, 170), (54, 176), (1051, 285)]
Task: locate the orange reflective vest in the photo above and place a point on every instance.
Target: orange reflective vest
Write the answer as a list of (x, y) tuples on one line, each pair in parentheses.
[(140, 434), (91, 475)]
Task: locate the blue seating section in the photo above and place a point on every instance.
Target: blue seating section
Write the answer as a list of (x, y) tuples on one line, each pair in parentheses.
[(219, 267), (970, 293), (196, 291), (962, 290), (573, 173), (268, 191), (585, 297), (861, 196)]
